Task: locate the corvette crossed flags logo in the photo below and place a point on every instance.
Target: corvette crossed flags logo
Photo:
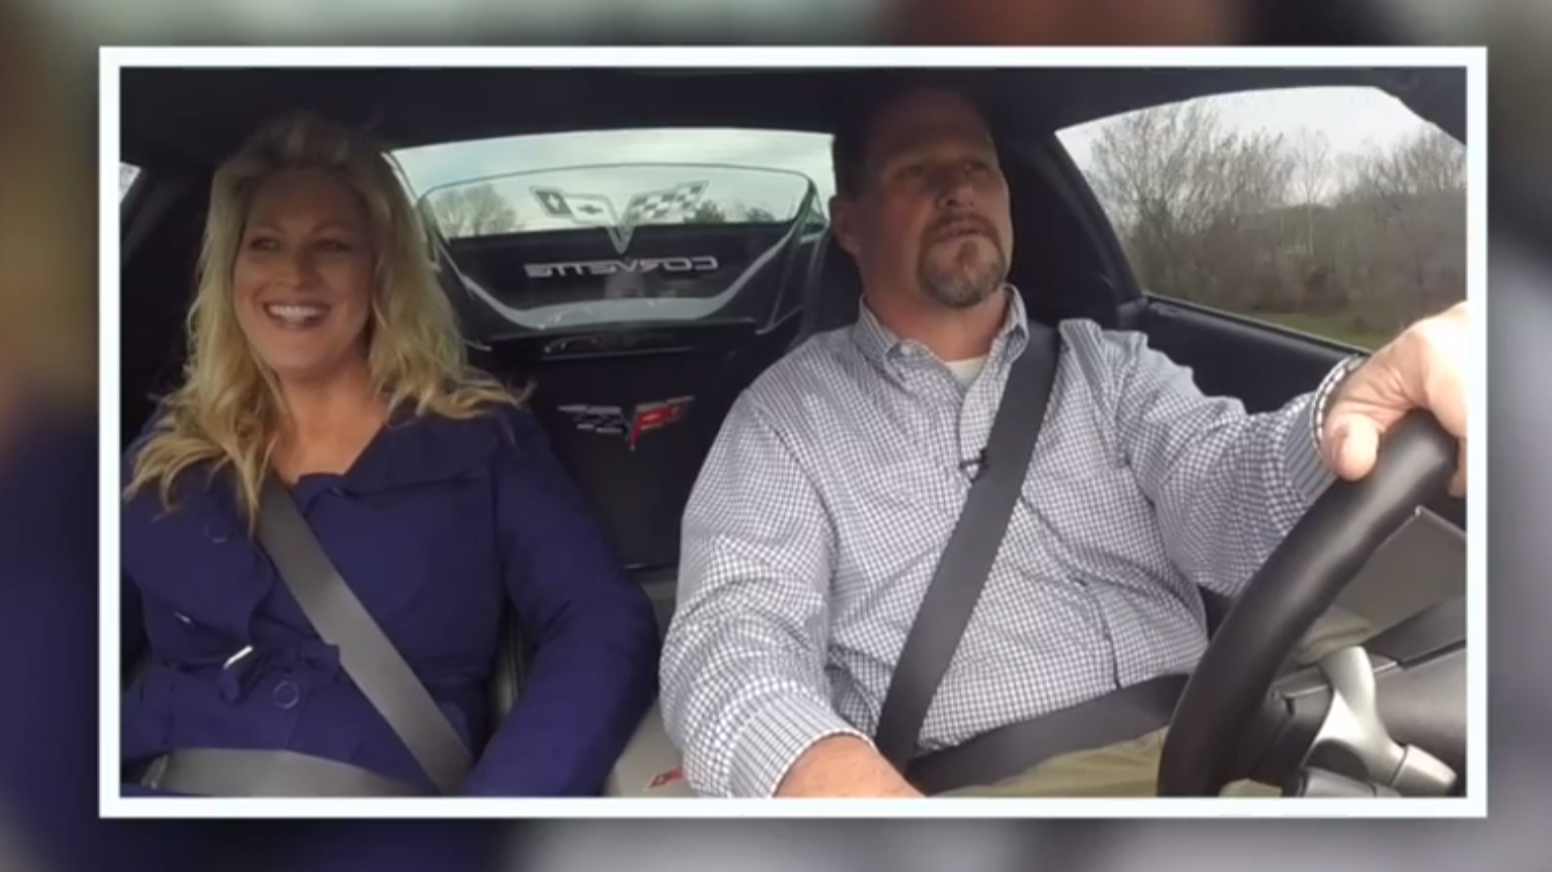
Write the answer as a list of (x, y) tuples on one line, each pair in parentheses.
[(597, 210)]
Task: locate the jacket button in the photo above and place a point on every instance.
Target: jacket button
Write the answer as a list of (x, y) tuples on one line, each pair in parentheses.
[(286, 695)]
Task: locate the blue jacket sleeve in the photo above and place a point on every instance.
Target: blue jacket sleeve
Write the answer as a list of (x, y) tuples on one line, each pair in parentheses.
[(593, 674)]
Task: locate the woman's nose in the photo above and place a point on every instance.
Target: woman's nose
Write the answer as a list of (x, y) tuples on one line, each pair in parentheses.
[(294, 268)]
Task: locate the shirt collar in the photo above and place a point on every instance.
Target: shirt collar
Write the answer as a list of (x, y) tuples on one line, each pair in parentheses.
[(886, 349)]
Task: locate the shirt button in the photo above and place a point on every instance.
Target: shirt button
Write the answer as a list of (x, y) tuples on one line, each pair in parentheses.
[(216, 533), (286, 695)]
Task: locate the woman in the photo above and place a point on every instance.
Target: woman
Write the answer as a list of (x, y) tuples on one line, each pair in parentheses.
[(323, 353)]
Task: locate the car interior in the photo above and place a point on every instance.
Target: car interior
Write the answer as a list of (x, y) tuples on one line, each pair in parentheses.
[(1069, 263)]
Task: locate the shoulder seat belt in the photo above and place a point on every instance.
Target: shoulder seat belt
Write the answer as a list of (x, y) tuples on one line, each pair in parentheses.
[(966, 561), (370, 659), (946, 608)]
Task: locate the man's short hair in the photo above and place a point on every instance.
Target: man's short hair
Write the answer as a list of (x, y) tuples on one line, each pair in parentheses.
[(853, 134)]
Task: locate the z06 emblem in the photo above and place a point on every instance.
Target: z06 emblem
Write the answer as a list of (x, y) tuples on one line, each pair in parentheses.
[(612, 420)]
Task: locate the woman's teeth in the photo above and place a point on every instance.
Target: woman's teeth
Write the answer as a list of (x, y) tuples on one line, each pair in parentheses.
[(295, 313)]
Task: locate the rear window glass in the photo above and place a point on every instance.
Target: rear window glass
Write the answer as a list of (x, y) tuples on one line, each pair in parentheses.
[(616, 199), (572, 230)]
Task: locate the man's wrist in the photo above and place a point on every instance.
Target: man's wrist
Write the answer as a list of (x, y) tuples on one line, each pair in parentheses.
[(843, 765), (776, 737), (1305, 465), (1330, 387)]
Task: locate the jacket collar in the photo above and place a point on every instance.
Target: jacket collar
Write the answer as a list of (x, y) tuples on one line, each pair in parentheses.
[(415, 449)]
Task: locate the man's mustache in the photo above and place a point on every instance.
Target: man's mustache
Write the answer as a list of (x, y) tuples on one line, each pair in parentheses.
[(958, 223)]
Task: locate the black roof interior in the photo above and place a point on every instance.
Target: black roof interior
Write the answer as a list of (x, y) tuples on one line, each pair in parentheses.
[(200, 115)]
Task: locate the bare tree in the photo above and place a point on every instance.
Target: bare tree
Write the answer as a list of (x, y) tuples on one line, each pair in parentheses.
[(1142, 172), (1179, 184), (476, 210), (1256, 222), (1143, 161), (1311, 155), (1428, 163), (1407, 209), (1311, 159), (1432, 163)]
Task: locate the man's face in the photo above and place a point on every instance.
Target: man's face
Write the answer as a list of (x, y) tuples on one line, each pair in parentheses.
[(931, 217)]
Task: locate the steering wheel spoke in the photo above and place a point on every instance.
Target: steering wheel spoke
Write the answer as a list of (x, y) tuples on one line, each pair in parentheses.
[(1317, 782), (1300, 580), (1354, 740)]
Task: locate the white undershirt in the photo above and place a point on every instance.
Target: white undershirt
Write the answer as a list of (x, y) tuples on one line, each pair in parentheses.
[(965, 371)]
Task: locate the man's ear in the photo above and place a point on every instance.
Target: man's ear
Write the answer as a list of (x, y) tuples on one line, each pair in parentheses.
[(843, 223)]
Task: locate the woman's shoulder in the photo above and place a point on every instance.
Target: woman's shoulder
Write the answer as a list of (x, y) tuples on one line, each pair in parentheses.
[(512, 427), (158, 421), (489, 431), (161, 424)]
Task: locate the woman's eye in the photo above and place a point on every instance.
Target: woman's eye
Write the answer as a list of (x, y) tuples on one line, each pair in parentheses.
[(263, 243), (333, 245)]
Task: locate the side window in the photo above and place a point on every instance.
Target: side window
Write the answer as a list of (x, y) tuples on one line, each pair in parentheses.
[(1330, 211), (127, 175)]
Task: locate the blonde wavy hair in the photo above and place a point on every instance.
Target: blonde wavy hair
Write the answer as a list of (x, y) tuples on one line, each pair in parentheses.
[(228, 410)]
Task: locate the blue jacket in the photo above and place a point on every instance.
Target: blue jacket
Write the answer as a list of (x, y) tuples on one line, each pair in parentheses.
[(436, 523)]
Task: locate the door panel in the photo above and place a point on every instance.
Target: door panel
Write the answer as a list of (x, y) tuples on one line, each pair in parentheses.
[(1263, 366)]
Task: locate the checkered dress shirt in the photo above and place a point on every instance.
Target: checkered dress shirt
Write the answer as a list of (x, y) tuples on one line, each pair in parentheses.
[(819, 516)]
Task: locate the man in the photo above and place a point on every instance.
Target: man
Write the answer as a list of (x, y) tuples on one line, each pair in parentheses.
[(817, 521)]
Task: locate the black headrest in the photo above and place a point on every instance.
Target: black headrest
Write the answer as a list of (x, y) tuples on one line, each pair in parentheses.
[(832, 291)]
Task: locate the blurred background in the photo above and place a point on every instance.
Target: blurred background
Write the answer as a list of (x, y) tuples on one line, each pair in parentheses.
[(48, 511)]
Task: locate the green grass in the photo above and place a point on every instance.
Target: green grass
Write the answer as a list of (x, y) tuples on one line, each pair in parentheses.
[(1335, 327)]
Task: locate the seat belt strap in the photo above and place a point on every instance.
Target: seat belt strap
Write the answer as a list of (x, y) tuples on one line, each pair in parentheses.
[(1128, 713), (264, 772), (366, 653), (967, 560)]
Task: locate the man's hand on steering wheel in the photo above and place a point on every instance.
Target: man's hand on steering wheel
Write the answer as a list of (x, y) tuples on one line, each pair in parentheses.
[(1422, 368)]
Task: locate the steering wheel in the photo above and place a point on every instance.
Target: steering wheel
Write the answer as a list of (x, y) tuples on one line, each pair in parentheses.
[(1321, 555)]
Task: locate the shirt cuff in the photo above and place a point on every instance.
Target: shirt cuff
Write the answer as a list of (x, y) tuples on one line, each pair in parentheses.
[(1306, 468), (1307, 472), (776, 737)]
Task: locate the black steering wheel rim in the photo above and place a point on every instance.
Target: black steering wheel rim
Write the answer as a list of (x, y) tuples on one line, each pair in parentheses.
[(1299, 581)]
